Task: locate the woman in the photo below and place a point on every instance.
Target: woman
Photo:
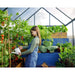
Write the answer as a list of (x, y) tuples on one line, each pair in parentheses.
[(32, 53)]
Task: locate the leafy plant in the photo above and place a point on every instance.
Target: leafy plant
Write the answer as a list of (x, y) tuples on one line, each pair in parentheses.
[(67, 44), (52, 48), (43, 49), (55, 29), (64, 28), (67, 57), (45, 33), (47, 43), (5, 56)]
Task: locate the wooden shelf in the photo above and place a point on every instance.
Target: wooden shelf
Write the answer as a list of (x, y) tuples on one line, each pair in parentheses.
[(19, 65)]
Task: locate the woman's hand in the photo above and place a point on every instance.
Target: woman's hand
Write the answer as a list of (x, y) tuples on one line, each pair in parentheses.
[(19, 54), (20, 47)]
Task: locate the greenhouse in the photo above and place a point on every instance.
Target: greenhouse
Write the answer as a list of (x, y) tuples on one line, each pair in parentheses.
[(45, 36)]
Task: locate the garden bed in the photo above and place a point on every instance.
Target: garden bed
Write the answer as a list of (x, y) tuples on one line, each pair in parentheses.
[(59, 35)]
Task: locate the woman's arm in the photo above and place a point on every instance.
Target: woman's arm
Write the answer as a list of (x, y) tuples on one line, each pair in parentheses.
[(33, 46), (24, 47)]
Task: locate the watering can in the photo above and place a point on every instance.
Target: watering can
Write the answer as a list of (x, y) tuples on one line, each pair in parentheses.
[(17, 51)]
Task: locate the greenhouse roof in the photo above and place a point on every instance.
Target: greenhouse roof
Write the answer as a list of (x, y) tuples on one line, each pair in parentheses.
[(49, 16), (45, 16)]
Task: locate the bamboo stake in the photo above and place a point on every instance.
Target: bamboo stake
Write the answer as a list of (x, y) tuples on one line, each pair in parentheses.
[(5, 44), (9, 47), (2, 56)]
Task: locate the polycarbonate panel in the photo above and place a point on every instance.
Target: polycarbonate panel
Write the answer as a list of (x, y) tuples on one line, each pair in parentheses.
[(28, 13), (74, 33), (2, 8), (31, 21), (54, 21), (69, 11), (13, 11), (42, 18), (74, 28), (69, 33), (58, 15)]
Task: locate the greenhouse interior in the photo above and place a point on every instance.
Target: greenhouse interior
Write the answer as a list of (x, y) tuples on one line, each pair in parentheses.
[(57, 33)]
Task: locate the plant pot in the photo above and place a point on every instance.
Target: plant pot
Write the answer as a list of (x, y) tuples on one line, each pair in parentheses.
[(59, 35)]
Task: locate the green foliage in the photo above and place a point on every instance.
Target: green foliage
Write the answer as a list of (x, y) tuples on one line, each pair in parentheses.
[(5, 56), (64, 28), (17, 13), (45, 33), (5, 59), (3, 15), (55, 29), (67, 57), (52, 48), (22, 29), (5, 52), (43, 49), (65, 54), (47, 43), (0, 54), (69, 45), (1, 45)]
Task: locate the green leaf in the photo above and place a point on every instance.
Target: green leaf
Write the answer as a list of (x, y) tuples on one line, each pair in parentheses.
[(2, 44), (17, 13)]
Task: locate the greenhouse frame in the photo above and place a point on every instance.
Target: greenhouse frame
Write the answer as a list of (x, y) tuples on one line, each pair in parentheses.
[(45, 18), (36, 10)]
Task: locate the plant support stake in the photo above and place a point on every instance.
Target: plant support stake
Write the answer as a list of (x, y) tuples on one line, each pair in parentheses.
[(2, 56)]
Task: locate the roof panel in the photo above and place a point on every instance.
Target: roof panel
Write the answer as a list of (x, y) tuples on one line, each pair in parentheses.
[(59, 15), (68, 11), (2, 8), (13, 11), (28, 13)]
